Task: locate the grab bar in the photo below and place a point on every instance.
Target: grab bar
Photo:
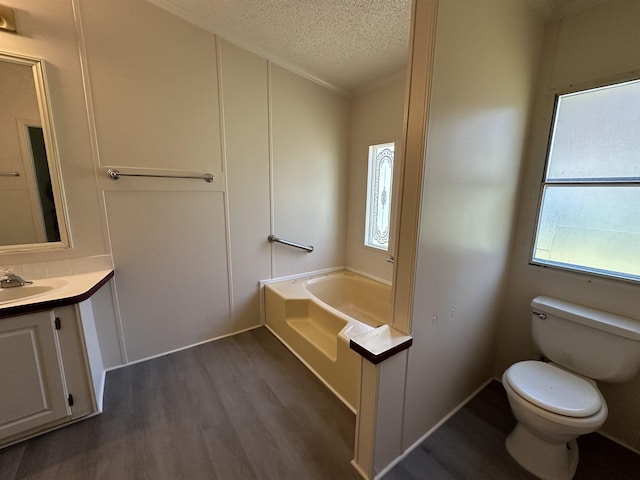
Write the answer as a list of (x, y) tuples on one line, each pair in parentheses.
[(9, 174), (307, 248), (114, 174)]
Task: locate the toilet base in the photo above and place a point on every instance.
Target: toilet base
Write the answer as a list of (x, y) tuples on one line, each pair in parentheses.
[(545, 460)]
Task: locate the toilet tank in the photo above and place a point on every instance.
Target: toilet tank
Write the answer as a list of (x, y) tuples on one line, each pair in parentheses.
[(596, 344)]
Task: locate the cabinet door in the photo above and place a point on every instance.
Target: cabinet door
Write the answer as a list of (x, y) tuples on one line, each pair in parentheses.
[(32, 389)]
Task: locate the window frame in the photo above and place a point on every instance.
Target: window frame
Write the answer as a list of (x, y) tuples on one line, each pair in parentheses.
[(578, 183)]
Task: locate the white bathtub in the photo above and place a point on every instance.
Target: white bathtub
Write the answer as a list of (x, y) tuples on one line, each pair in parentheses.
[(316, 316)]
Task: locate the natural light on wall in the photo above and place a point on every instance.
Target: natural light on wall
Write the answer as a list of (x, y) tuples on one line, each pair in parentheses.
[(589, 216), (378, 213)]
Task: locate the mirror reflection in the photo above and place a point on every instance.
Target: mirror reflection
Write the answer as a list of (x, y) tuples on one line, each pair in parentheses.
[(30, 209)]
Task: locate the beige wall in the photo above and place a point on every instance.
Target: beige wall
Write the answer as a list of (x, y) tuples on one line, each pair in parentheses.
[(593, 46), (310, 134), (486, 56), (377, 116)]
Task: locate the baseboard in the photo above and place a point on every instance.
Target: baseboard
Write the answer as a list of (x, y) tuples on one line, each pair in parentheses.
[(619, 442), (181, 348), (606, 435), (359, 470), (415, 445)]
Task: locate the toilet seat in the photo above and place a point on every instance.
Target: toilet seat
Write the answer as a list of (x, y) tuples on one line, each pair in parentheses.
[(553, 389)]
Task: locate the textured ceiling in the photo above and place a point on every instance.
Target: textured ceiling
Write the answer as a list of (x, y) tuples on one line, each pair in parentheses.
[(345, 43)]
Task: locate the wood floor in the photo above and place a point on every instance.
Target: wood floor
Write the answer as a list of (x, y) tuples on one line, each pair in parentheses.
[(470, 446), (245, 408), (239, 408)]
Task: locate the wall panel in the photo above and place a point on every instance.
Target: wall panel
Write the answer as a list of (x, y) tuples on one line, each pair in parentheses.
[(169, 252), (475, 146), (246, 145), (310, 142), (154, 87), (154, 92)]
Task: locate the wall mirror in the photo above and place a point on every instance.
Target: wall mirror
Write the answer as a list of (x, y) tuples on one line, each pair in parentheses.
[(32, 214)]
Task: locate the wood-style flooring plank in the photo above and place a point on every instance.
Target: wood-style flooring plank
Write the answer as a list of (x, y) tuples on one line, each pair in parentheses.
[(470, 446), (244, 408), (239, 408)]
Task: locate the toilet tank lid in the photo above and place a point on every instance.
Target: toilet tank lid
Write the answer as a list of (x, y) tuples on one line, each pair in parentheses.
[(605, 321), (554, 389)]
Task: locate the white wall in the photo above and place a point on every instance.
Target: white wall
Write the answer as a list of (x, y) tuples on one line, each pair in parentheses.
[(189, 255), (593, 46), (245, 103), (155, 104), (285, 155), (20, 212), (162, 94), (486, 56), (377, 116), (46, 30)]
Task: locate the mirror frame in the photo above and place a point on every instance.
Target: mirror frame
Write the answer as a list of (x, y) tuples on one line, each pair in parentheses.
[(37, 66)]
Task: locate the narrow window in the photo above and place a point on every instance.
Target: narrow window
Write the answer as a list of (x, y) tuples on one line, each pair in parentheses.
[(589, 215), (378, 213)]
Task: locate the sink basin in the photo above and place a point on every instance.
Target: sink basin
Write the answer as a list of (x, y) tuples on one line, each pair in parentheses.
[(27, 292)]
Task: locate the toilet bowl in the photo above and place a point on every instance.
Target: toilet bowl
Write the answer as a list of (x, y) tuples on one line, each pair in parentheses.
[(553, 407), (555, 402)]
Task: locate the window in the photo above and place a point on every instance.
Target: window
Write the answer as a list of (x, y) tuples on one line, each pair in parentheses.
[(589, 216), (378, 213)]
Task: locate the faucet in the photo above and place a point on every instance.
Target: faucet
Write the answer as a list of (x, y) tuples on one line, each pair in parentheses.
[(10, 280)]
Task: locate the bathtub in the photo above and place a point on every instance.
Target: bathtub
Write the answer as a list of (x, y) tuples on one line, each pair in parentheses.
[(316, 316)]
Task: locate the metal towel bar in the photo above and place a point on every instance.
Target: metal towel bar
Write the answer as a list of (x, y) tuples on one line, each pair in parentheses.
[(114, 174), (307, 248), (9, 174)]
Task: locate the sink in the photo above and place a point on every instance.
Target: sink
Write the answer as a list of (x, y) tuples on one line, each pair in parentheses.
[(27, 292)]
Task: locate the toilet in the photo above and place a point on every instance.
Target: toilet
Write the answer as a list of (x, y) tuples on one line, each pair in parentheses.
[(557, 400)]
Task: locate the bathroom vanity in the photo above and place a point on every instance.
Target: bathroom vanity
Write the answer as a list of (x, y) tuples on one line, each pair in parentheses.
[(51, 370)]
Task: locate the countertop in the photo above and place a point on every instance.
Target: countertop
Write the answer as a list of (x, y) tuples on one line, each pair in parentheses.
[(381, 343), (77, 288)]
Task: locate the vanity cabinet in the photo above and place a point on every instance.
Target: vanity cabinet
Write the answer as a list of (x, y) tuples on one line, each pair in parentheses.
[(45, 375), (51, 370), (34, 392)]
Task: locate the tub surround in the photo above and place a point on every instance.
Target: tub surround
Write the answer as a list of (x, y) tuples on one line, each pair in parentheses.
[(76, 289)]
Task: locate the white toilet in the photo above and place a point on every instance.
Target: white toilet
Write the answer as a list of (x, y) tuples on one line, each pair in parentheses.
[(556, 402)]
